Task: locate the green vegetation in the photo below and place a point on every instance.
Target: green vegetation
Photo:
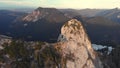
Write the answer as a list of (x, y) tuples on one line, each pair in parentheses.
[(47, 55), (32, 55), (39, 45), (18, 51), (1, 58), (50, 57)]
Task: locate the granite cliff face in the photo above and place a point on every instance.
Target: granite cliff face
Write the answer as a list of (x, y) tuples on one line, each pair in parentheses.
[(73, 49), (76, 47)]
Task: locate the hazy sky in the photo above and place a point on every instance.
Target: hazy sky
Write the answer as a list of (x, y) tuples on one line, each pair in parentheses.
[(60, 3)]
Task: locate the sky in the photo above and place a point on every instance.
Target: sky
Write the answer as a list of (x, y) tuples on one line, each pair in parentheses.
[(75, 4)]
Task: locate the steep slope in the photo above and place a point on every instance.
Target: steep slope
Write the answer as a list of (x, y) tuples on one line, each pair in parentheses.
[(73, 50), (76, 47)]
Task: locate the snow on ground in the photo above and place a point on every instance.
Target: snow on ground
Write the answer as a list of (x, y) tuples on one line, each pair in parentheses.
[(110, 50), (100, 47)]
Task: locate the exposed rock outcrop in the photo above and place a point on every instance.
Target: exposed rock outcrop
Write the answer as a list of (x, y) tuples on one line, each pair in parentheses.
[(73, 50), (4, 39)]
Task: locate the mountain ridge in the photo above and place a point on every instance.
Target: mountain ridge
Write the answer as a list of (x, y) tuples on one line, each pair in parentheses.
[(50, 14)]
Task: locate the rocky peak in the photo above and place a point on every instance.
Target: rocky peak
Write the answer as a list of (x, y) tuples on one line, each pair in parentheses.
[(74, 31), (77, 46), (49, 14), (73, 49)]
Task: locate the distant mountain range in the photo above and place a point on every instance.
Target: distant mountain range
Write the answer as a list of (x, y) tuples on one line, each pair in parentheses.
[(44, 24), (112, 14), (83, 12)]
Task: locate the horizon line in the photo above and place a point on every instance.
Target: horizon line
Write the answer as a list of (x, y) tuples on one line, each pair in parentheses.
[(27, 7)]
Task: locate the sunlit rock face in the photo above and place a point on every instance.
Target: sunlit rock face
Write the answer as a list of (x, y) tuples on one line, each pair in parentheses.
[(32, 17), (76, 47), (73, 49)]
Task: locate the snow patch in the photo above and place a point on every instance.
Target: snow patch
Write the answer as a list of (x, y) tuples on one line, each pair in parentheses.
[(109, 50), (100, 47)]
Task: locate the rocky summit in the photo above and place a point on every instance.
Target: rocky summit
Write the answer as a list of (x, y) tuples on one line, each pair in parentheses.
[(73, 49)]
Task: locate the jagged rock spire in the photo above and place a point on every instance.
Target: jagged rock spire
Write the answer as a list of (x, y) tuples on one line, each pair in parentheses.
[(76, 47), (73, 50)]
